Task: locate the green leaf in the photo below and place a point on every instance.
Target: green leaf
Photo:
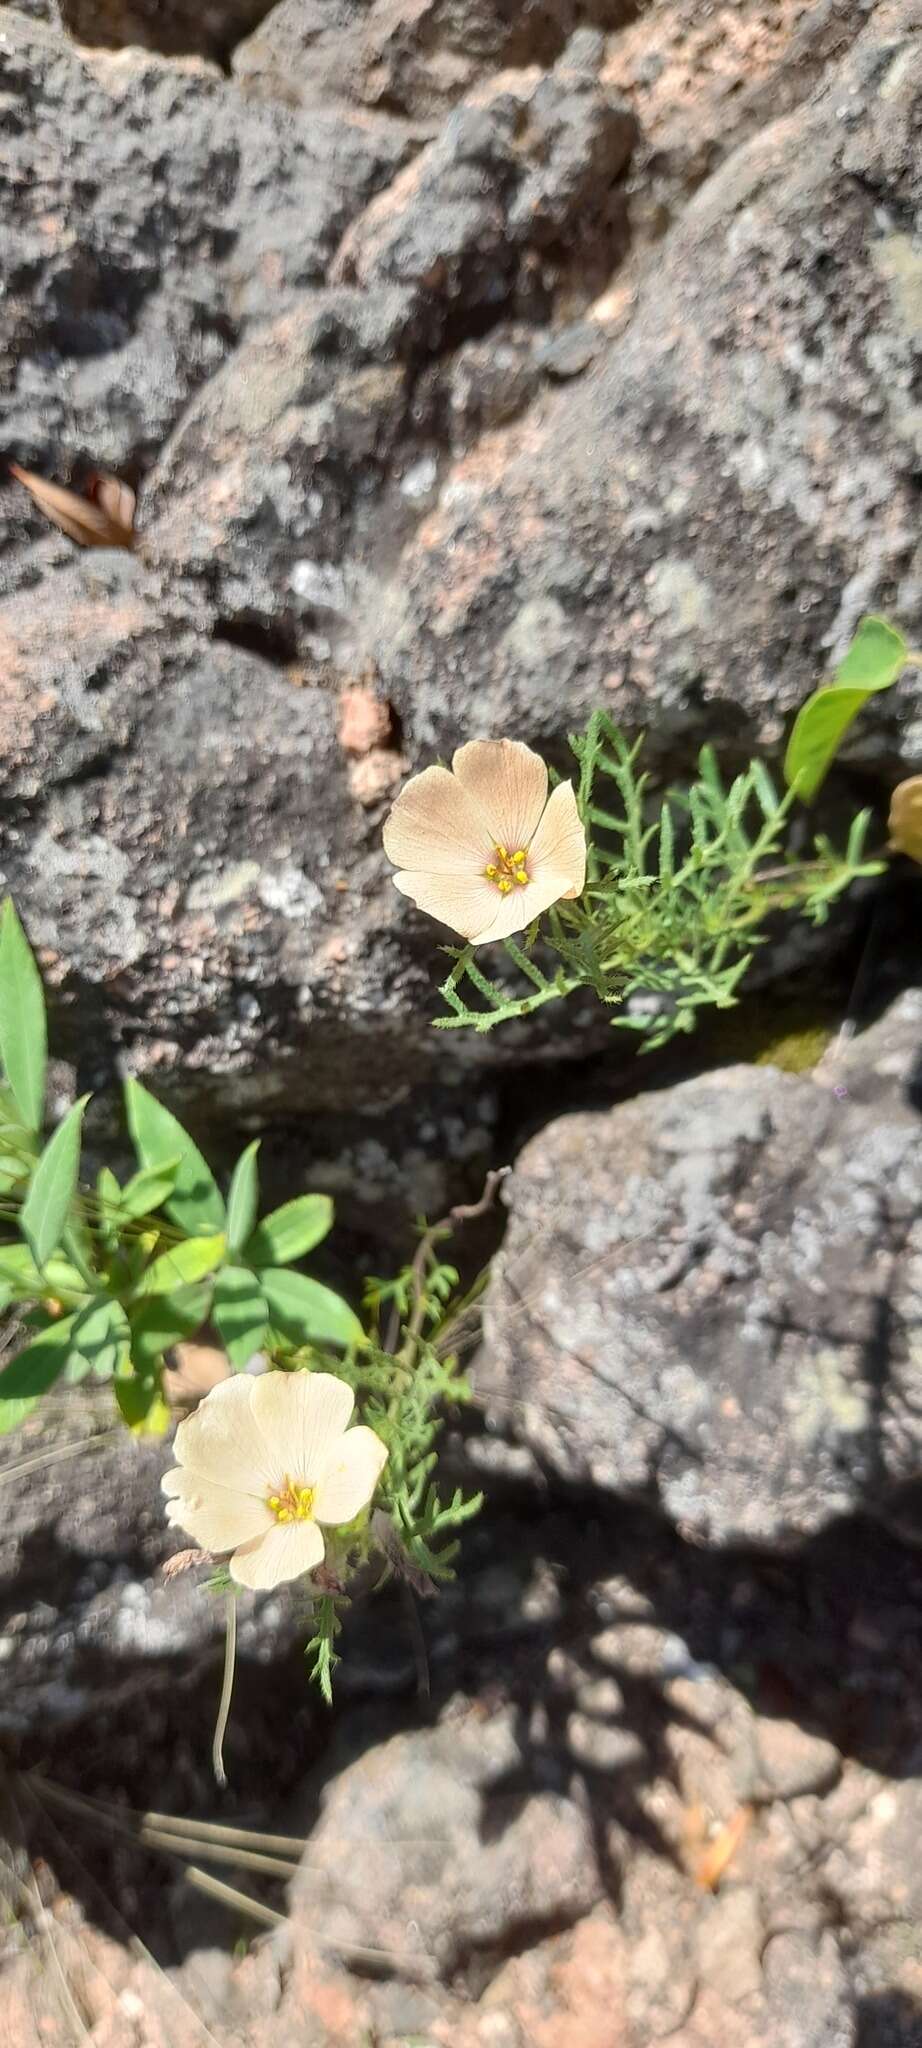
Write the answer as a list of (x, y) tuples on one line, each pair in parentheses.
[(290, 1231), (196, 1202), (193, 1259), (307, 1313), (23, 1029), (147, 1190), (243, 1199), (100, 1339), (165, 1320), (240, 1313), (53, 1186), (141, 1404), (34, 1369), (876, 657), (19, 1271)]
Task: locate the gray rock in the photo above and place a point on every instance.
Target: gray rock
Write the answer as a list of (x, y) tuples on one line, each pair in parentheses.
[(124, 293), (712, 508), (206, 28), (422, 1852), (415, 58), (531, 166), (710, 1297)]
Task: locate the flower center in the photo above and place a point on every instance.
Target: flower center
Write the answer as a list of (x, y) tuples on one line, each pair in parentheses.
[(508, 871), (294, 1504)]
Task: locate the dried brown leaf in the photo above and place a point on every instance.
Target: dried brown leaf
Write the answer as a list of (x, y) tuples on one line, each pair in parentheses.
[(715, 1860), (103, 520)]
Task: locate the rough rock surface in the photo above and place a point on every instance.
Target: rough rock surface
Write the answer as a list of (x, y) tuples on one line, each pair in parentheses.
[(711, 1296), (417, 403), (641, 1804)]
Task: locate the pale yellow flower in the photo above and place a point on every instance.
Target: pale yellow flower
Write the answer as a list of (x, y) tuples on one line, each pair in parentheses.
[(262, 1462), (481, 846), (905, 819)]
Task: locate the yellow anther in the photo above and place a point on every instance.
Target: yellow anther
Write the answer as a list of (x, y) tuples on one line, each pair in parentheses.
[(294, 1504), (508, 870)]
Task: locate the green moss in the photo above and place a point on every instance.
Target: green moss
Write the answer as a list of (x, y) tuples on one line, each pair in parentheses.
[(796, 1052), (793, 1037)]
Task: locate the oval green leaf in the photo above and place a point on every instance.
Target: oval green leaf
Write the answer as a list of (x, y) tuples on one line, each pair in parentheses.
[(53, 1186), (875, 659), (23, 1029), (34, 1369), (196, 1202), (290, 1231), (100, 1339), (165, 1320), (192, 1260), (243, 1198), (307, 1313), (240, 1314), (19, 1271), (149, 1188)]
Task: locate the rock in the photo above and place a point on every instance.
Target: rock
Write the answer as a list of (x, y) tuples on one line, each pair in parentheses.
[(789, 1762), (703, 1297), (530, 167), (122, 302), (700, 525), (571, 350), (415, 56), (421, 1852), (173, 27)]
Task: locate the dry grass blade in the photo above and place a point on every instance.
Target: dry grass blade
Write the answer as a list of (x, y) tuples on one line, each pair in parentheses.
[(56, 1454), (137, 1947), (103, 520), (230, 1896)]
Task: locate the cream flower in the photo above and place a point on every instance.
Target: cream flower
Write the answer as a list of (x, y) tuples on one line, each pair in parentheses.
[(481, 846), (262, 1462), (905, 819)]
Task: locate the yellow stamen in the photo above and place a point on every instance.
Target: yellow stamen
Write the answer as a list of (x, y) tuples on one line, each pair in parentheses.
[(294, 1504), (509, 870)]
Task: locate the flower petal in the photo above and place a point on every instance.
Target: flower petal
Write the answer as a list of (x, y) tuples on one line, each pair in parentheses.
[(559, 845), (434, 826), (287, 1550), (350, 1479), (216, 1517), (222, 1440), (508, 782), (556, 865), (463, 902), (303, 1416)]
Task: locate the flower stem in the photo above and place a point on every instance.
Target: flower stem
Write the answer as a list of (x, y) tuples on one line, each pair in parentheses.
[(227, 1688)]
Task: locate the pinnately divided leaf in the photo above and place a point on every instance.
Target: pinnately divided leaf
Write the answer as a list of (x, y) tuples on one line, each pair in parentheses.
[(23, 1029)]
